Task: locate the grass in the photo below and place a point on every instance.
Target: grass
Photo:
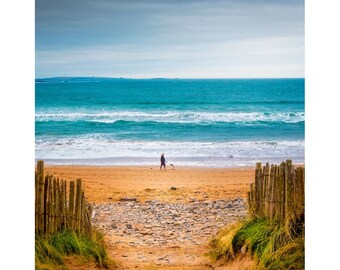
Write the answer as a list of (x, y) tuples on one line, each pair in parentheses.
[(270, 243), (50, 251)]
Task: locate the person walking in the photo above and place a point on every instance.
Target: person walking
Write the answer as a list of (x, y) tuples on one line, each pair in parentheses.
[(163, 161)]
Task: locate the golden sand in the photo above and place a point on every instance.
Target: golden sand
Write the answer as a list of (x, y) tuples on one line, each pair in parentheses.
[(105, 184)]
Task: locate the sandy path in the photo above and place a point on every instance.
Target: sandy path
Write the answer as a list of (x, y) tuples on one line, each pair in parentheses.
[(164, 229), (164, 234)]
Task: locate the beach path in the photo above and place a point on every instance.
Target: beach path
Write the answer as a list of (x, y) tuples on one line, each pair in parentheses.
[(155, 219)]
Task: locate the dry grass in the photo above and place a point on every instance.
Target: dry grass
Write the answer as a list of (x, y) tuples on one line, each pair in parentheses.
[(50, 252), (268, 242)]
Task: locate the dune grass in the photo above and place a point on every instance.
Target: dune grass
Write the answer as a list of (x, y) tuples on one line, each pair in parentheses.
[(269, 243), (49, 251)]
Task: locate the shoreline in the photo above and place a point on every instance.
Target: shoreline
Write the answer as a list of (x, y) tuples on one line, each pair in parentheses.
[(154, 166), (188, 167), (198, 162)]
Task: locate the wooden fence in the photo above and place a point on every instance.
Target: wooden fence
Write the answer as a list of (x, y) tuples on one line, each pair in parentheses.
[(57, 208), (278, 192)]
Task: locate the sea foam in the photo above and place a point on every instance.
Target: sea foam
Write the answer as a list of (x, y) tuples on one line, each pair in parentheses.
[(172, 116), (216, 154)]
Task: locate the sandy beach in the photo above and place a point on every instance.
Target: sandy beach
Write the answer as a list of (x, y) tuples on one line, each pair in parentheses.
[(108, 184), (164, 228)]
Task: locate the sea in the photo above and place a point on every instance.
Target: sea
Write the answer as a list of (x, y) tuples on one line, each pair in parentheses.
[(194, 122)]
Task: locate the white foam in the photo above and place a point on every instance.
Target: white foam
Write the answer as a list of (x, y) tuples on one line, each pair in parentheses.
[(100, 150), (171, 116)]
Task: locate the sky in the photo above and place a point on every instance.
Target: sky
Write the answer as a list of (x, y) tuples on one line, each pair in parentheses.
[(170, 38)]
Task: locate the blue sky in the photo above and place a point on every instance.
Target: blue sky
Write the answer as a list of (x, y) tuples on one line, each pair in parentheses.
[(164, 38)]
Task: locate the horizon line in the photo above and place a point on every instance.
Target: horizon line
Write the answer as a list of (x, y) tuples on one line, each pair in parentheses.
[(167, 78)]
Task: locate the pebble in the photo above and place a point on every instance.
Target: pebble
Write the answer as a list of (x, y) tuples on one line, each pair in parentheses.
[(166, 224), (128, 199)]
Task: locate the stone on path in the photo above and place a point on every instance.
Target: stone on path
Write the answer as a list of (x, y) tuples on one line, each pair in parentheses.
[(128, 199)]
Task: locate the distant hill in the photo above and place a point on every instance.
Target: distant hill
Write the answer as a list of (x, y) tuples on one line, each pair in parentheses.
[(75, 79)]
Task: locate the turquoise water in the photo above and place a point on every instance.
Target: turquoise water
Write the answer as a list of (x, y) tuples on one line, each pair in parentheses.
[(225, 122)]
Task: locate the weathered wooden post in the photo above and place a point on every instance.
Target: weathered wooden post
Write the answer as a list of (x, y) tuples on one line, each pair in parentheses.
[(78, 205), (271, 191), (65, 205), (266, 191), (61, 205), (252, 199), (82, 215), (57, 206), (277, 193), (263, 190), (288, 190), (89, 217), (70, 222), (300, 189), (40, 196), (281, 191), (302, 184), (50, 205), (248, 200), (45, 204), (258, 172), (36, 209), (294, 192), (53, 188)]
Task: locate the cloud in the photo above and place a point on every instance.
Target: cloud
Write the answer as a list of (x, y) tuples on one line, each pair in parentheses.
[(227, 59), (148, 38)]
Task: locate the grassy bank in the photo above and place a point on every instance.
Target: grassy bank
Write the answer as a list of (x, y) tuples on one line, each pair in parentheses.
[(50, 252), (270, 243)]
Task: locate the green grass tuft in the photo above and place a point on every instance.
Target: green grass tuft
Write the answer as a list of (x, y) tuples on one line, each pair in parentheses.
[(49, 252), (271, 245)]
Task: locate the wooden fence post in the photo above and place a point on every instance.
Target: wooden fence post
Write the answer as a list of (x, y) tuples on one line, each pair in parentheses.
[(271, 191), (50, 205), (266, 190), (281, 191), (45, 204), (258, 172), (288, 189), (277, 192), (248, 200), (70, 222), (263, 194), (300, 196), (61, 205), (302, 185), (40, 197), (78, 205), (58, 212), (251, 200), (65, 205), (53, 212), (82, 210), (36, 209)]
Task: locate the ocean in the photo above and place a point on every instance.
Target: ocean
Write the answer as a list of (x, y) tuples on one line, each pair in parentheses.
[(195, 122)]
